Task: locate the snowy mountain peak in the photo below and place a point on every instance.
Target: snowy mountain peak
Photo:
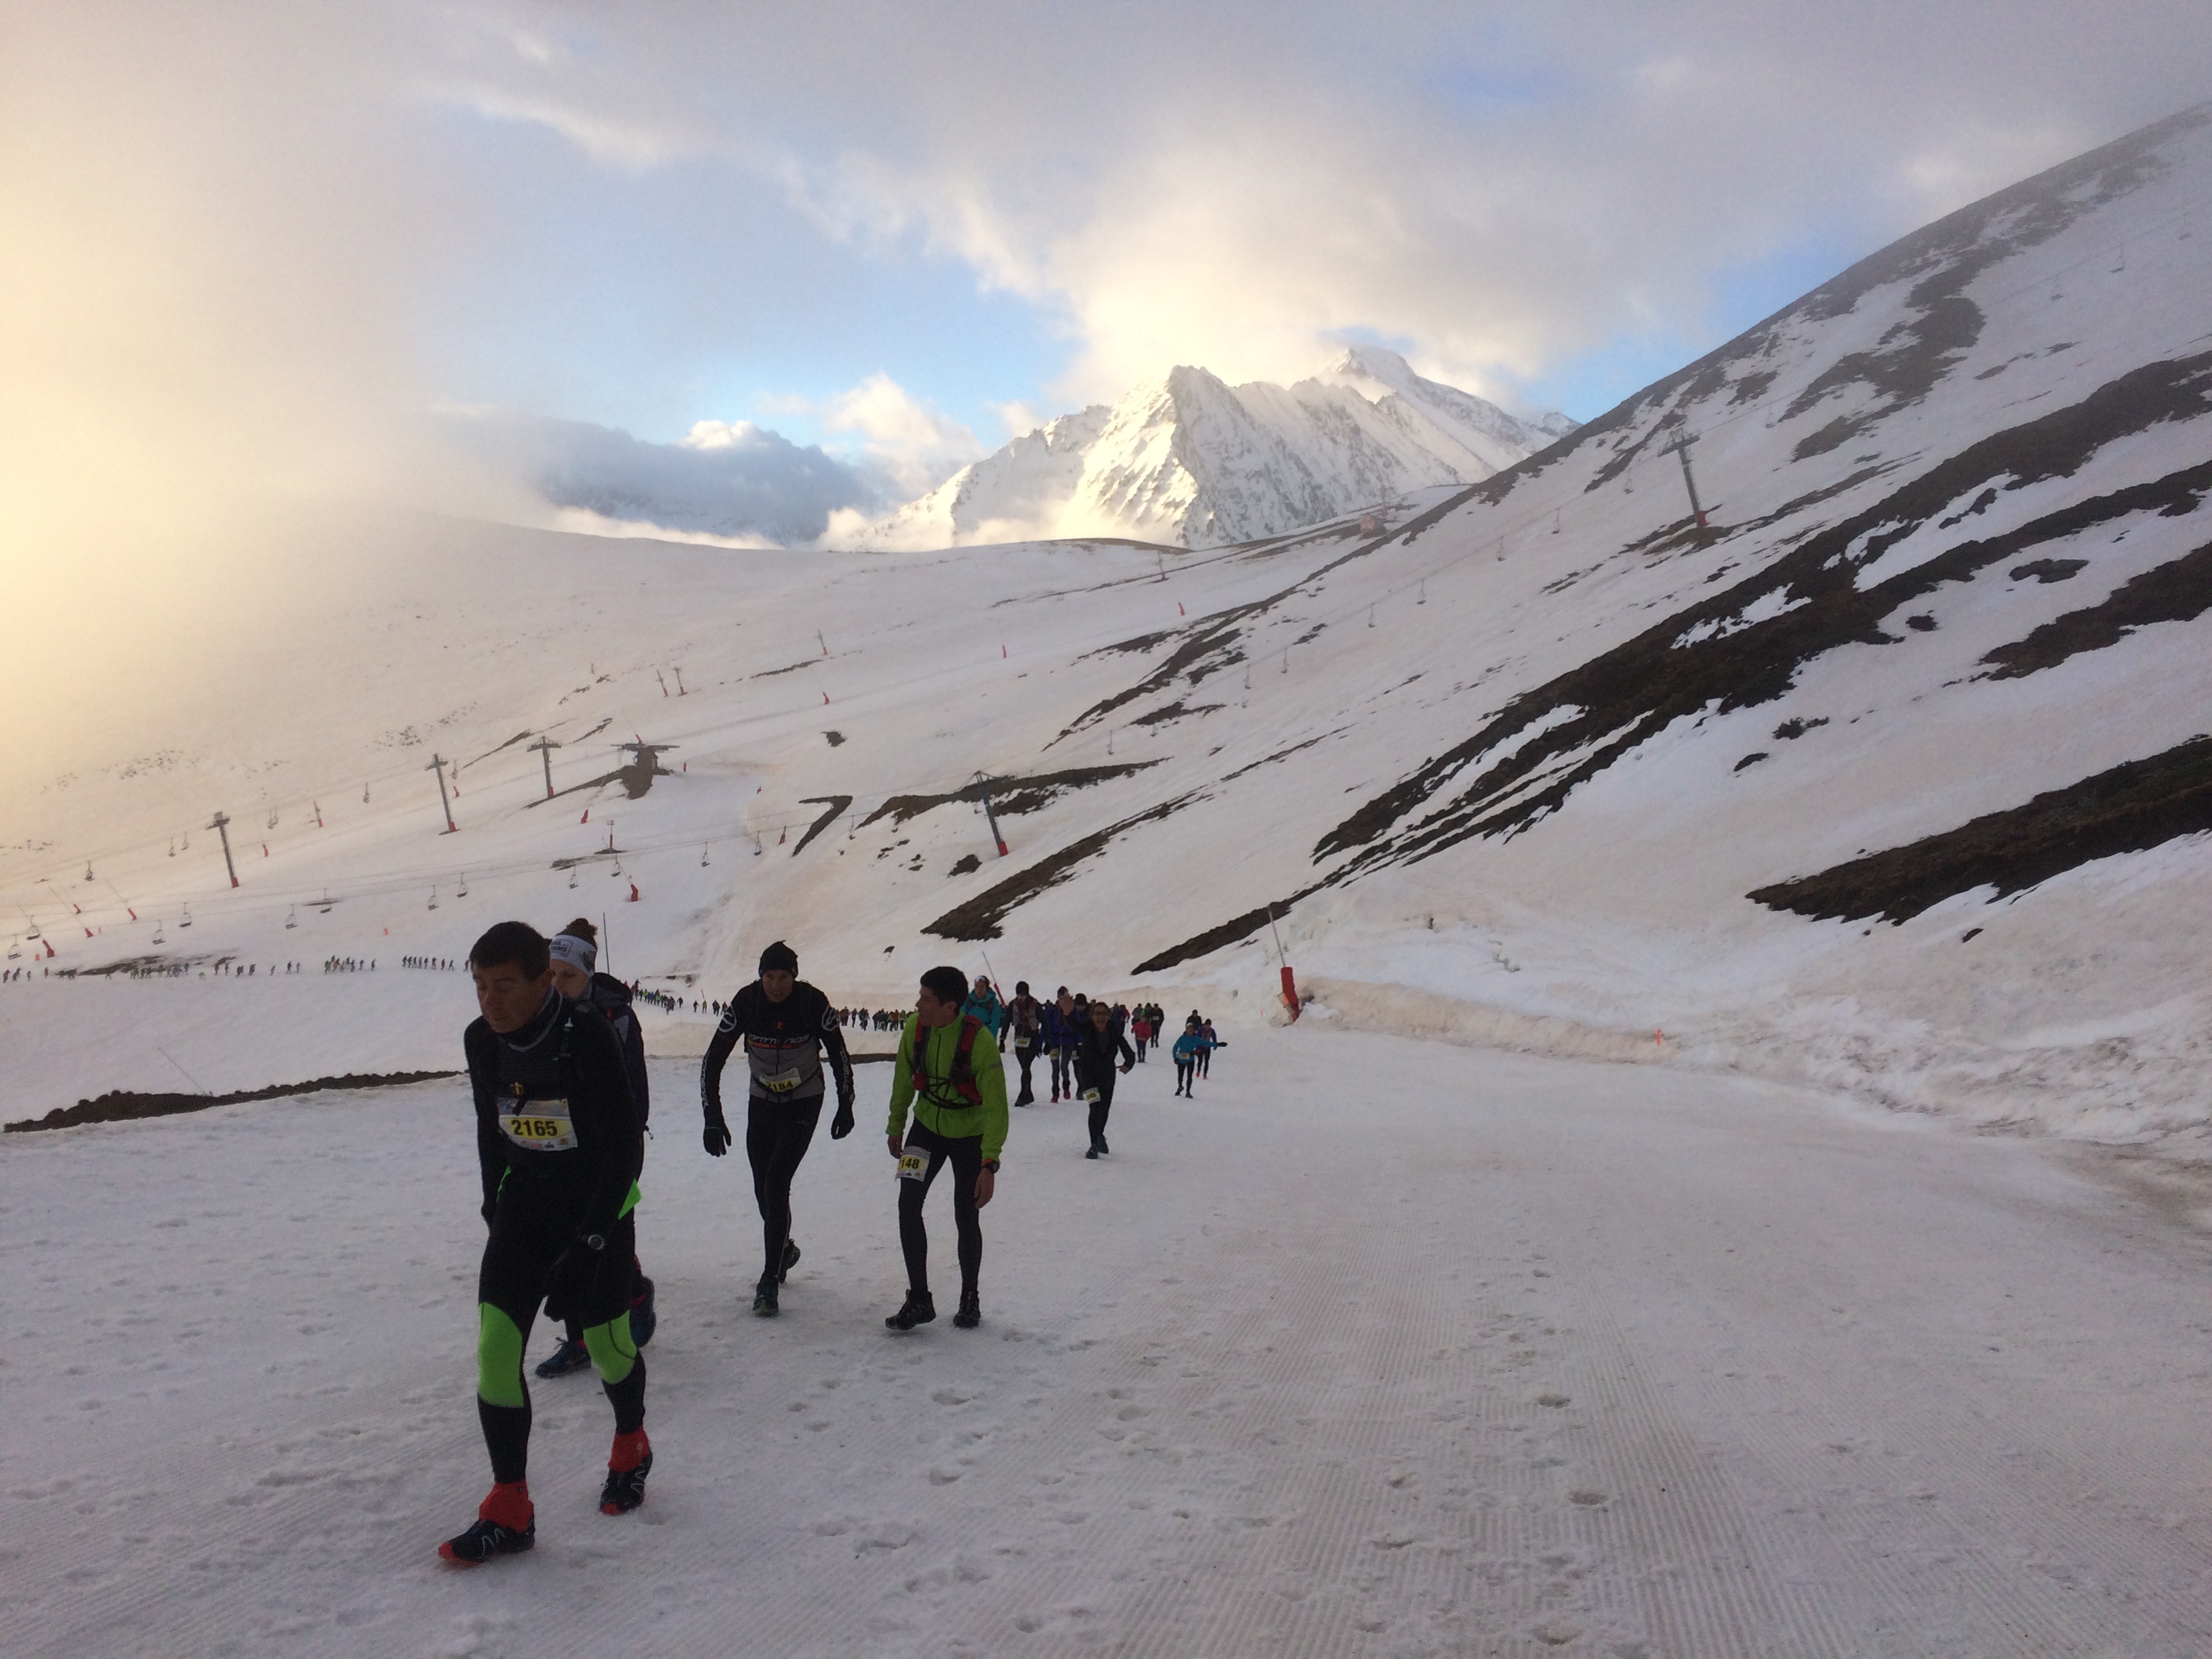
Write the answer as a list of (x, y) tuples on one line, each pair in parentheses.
[(1187, 459)]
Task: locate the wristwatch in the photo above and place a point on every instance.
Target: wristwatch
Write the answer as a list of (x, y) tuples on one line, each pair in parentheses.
[(991, 1164)]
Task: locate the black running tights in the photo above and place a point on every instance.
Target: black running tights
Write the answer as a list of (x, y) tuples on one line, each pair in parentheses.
[(1099, 1108), (777, 1136), (965, 1154)]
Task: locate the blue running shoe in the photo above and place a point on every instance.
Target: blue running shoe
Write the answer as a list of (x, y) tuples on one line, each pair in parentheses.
[(568, 1357)]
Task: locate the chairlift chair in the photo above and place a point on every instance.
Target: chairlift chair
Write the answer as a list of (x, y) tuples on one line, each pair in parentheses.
[(186, 921), (434, 898), (292, 918), (157, 933), (464, 891), (572, 879)]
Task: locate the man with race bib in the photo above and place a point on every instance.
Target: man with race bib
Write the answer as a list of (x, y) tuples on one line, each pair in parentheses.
[(948, 1073), (559, 1149), (786, 1025)]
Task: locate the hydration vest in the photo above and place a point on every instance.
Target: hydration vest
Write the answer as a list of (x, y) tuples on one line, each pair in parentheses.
[(963, 1062)]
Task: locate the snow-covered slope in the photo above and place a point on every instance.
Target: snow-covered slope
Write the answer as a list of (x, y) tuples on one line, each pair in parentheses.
[(1191, 462), (1886, 776)]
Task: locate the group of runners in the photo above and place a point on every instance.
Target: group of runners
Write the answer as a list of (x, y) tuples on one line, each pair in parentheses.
[(557, 1068)]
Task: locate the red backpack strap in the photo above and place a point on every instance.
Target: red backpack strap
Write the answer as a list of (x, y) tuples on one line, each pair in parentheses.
[(963, 1062)]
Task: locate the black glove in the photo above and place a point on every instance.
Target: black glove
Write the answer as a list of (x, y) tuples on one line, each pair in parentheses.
[(717, 1136), (842, 1125), (572, 1277)]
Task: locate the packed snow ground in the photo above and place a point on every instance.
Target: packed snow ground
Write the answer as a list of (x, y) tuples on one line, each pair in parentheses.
[(1379, 1347)]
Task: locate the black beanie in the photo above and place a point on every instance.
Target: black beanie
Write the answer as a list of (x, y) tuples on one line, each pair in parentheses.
[(780, 954)]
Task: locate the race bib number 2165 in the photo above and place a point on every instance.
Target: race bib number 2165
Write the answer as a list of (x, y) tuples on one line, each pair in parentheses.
[(538, 1130)]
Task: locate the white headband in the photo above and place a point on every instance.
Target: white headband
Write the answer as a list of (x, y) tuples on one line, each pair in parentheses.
[(579, 953)]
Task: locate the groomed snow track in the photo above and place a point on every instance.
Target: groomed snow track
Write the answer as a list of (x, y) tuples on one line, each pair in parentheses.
[(1379, 1348)]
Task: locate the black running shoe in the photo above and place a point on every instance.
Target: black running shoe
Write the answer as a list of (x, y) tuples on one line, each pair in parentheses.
[(790, 1260), (1093, 1152), (970, 1315), (625, 1488), (487, 1539), (1103, 1147), (764, 1299), (566, 1357), (917, 1309)]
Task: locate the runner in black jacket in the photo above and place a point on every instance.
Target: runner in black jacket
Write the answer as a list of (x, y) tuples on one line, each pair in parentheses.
[(558, 1148), (575, 952), (1098, 1039), (785, 1024)]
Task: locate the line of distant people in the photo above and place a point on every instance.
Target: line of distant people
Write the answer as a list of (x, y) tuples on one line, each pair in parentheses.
[(436, 964)]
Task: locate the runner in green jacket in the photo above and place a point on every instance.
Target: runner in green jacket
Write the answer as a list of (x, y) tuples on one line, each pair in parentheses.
[(948, 1075)]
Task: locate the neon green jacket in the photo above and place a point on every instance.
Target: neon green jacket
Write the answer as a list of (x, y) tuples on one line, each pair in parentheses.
[(931, 1109)]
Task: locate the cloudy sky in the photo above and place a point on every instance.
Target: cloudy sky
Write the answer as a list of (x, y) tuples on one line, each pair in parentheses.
[(395, 252)]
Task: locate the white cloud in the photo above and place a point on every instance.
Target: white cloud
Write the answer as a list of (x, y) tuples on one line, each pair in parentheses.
[(1019, 417), (1495, 186), (916, 448)]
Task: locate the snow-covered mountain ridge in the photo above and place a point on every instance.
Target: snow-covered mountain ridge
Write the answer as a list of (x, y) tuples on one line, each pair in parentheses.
[(1192, 462), (1889, 775)]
